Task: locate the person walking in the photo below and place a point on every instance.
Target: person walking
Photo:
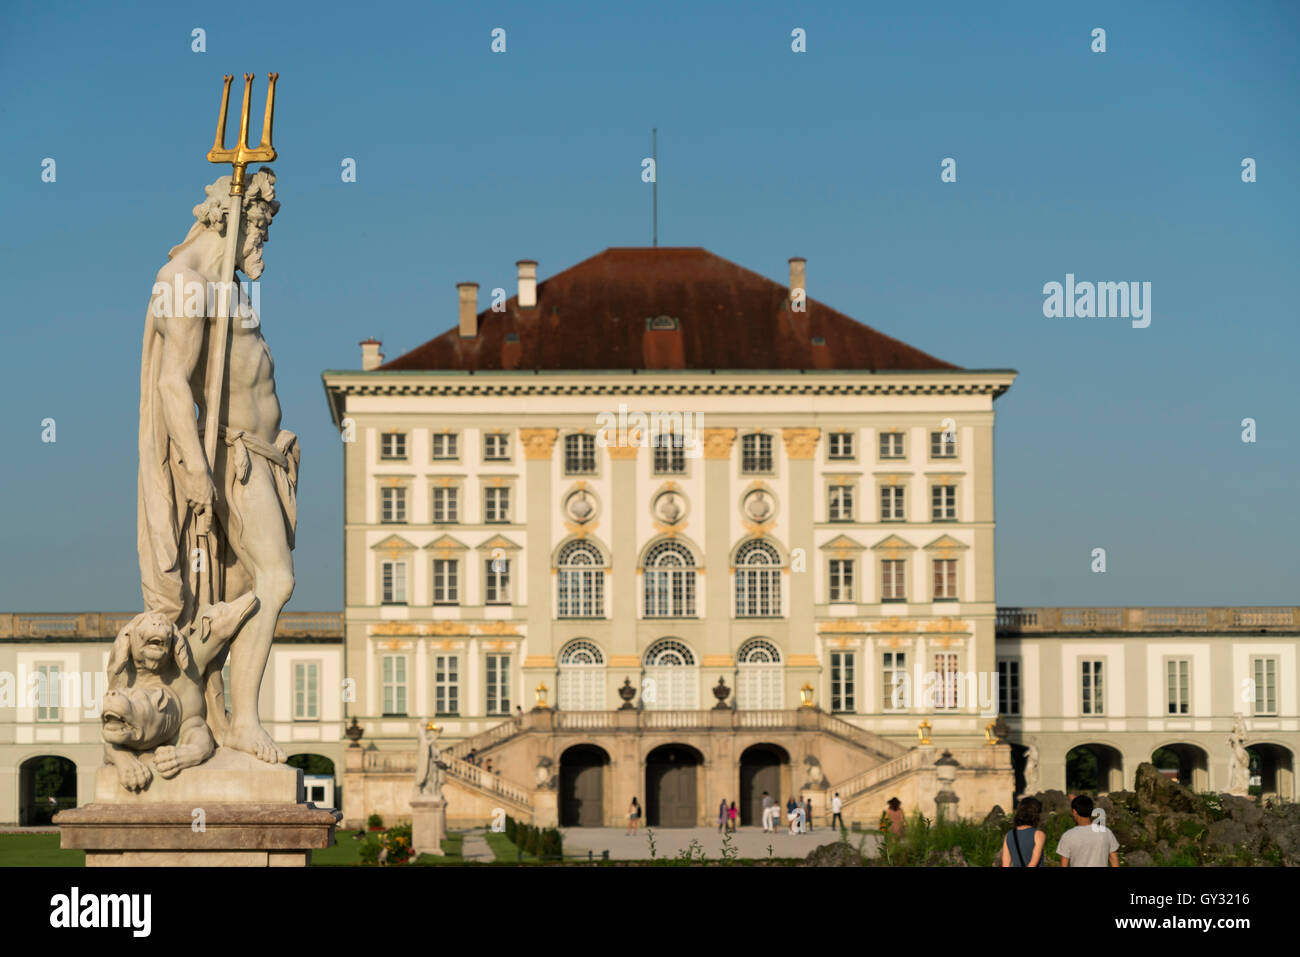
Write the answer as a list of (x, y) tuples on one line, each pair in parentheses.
[(894, 810), (722, 815), (731, 818), (807, 815), (837, 820), (1024, 844), (792, 814), (633, 816), (769, 814), (1088, 843)]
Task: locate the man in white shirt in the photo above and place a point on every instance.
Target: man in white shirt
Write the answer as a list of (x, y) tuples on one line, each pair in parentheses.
[(1089, 843), (836, 806), (769, 811)]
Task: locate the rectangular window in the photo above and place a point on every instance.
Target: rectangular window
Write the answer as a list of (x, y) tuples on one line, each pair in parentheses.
[(943, 503), (306, 691), (945, 579), (756, 453), (496, 504), (943, 445), (843, 696), (841, 579), (498, 684), (579, 454), (1176, 678), (394, 583), (670, 454), (1093, 694), (392, 445), (497, 581), (446, 684), (446, 581), (394, 685), (445, 504), (496, 447), (1265, 670), (444, 445), (892, 580), (893, 686), (841, 503), (47, 693), (945, 666), (891, 503), (891, 445), (392, 505), (840, 445), (1009, 686)]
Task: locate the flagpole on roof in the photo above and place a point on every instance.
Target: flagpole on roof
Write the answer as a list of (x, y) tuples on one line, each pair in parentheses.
[(654, 188)]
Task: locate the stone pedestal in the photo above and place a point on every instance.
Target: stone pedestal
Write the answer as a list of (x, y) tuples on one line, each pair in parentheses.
[(428, 825), (231, 811)]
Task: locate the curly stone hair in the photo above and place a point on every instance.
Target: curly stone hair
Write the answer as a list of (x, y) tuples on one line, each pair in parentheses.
[(259, 207)]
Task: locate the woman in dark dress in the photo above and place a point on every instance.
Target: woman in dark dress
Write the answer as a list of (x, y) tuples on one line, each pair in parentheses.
[(1023, 845)]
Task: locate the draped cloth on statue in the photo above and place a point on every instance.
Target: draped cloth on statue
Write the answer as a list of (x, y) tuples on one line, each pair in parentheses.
[(162, 520)]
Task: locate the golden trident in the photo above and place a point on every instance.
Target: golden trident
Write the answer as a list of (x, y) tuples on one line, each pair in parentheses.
[(243, 154), (239, 157)]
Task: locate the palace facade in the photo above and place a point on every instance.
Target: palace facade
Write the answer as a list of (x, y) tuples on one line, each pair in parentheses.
[(659, 527)]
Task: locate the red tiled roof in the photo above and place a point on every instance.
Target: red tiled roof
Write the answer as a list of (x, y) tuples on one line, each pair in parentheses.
[(594, 316)]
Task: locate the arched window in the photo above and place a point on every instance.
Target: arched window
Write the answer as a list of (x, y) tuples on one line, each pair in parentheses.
[(669, 581), (758, 581), (671, 681), (580, 581), (582, 677), (758, 676)]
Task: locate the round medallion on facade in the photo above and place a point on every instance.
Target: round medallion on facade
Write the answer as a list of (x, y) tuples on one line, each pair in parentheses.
[(581, 506), (758, 505), (669, 507)]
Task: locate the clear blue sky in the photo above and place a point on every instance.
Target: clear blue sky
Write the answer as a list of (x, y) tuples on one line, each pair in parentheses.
[(1116, 166)]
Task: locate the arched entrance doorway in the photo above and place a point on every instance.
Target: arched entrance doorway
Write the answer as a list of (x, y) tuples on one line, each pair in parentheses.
[(760, 770), (1187, 764), (1097, 768), (317, 778), (582, 786), (47, 784), (1274, 766), (671, 786)]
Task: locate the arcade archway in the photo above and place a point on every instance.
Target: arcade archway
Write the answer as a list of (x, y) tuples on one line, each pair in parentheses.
[(672, 786), (582, 786), (761, 767)]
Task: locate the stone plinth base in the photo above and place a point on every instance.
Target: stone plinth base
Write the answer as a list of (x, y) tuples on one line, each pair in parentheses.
[(174, 835), (231, 811), (228, 777), (428, 825)]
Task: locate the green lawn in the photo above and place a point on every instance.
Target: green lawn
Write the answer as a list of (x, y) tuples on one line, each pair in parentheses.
[(346, 852), (37, 850), (504, 849), (42, 850)]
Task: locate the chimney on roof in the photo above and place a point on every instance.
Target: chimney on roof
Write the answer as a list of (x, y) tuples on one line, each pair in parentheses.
[(527, 283), (468, 309), (371, 357), (798, 284)]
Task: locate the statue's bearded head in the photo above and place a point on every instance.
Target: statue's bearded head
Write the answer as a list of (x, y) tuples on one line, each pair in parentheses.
[(260, 206)]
